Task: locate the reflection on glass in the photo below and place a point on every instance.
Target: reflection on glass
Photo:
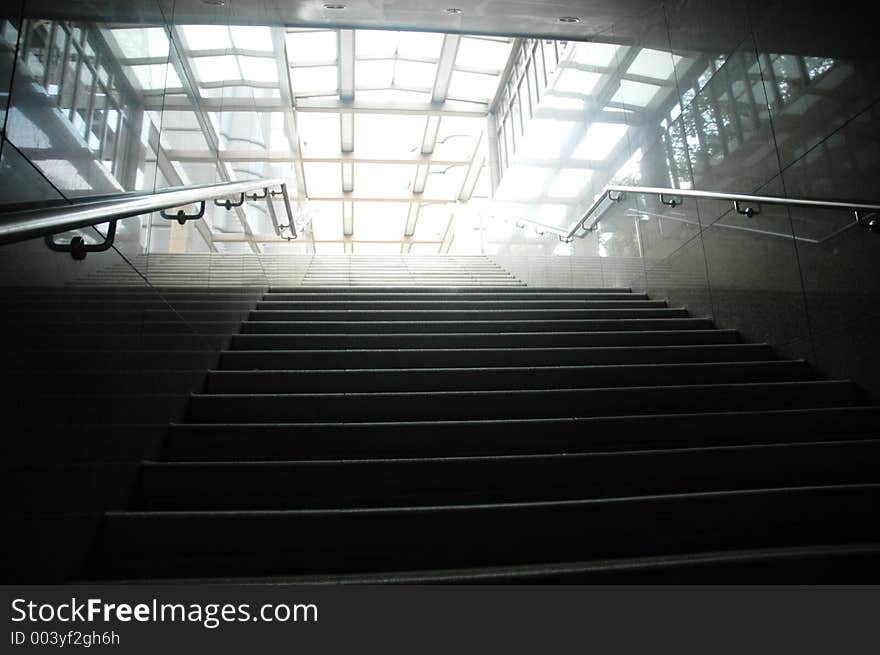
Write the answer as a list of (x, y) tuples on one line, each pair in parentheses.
[(656, 64), (599, 140), (637, 94)]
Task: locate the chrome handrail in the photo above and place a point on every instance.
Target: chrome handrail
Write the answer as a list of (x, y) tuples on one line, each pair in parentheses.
[(27, 224), (614, 193)]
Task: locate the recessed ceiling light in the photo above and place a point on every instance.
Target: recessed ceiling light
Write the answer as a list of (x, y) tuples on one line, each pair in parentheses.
[(334, 6), (452, 10), (215, 3), (569, 19)]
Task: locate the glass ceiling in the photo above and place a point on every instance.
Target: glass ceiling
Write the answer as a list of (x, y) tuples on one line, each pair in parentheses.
[(559, 147), (383, 134), (386, 139)]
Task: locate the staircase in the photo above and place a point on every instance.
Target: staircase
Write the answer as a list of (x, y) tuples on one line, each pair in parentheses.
[(225, 270), (502, 434)]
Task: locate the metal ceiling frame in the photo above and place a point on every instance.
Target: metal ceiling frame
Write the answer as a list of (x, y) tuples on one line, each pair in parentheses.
[(348, 105)]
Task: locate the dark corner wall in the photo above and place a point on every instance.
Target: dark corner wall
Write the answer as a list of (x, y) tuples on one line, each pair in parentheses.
[(788, 106), (98, 355)]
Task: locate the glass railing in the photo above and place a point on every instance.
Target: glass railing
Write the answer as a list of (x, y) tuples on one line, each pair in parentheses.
[(101, 353), (866, 215), (48, 221), (797, 273)]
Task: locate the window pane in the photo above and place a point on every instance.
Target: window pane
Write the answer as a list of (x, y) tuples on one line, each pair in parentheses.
[(472, 86), (545, 139), (319, 134), (636, 93), (654, 63), (445, 181), (207, 37), (414, 74), (252, 38), (457, 137), (419, 44), (572, 80), (482, 53), (374, 74), (217, 69), (146, 42), (375, 43), (380, 220), (378, 135), (175, 140), (523, 183), (323, 179), (594, 54), (311, 47), (383, 180), (326, 219), (314, 79), (600, 140), (153, 76), (570, 182), (258, 69)]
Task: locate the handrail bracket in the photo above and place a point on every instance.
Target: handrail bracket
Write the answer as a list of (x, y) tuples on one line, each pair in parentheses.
[(77, 246), (182, 217), (868, 220), (746, 210)]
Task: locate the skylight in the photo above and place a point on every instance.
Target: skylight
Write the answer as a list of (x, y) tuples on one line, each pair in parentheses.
[(655, 64), (546, 138), (472, 86), (323, 179), (382, 134), (599, 141), (319, 134), (378, 135), (207, 37), (216, 69), (593, 54), (311, 47), (573, 80), (523, 183), (314, 79), (154, 76), (637, 94), (569, 183), (491, 54), (247, 37), (146, 42)]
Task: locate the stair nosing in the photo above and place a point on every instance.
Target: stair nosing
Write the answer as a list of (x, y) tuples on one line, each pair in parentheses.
[(505, 506), (498, 392)]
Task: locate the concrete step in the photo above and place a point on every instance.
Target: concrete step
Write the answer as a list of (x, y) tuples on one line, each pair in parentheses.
[(265, 440), (467, 326), (326, 484), (459, 314), (381, 304), (484, 357), (157, 544), (544, 403), (540, 377), (480, 340)]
